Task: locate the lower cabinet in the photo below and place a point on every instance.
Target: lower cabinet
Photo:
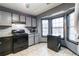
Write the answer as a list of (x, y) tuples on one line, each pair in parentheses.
[(5, 46), (37, 37), (31, 40)]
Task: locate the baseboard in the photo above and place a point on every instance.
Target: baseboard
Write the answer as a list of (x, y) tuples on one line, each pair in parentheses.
[(42, 42)]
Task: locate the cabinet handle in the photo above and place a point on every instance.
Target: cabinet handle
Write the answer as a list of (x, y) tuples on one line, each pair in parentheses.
[(0, 43), (78, 37)]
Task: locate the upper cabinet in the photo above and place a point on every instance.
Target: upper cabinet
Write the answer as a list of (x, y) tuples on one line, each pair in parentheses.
[(22, 19), (28, 21), (33, 22), (5, 18), (15, 18)]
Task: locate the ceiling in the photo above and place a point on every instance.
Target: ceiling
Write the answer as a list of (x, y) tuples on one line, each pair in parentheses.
[(34, 8)]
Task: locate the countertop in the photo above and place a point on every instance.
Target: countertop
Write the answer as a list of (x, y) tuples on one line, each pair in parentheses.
[(6, 35), (9, 35)]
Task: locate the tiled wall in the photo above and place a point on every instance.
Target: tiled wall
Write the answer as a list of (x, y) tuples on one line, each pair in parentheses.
[(7, 31)]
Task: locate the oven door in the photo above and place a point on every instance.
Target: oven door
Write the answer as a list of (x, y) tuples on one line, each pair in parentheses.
[(20, 40)]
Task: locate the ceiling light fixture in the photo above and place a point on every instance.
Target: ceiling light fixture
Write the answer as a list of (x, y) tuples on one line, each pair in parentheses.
[(27, 5), (48, 3)]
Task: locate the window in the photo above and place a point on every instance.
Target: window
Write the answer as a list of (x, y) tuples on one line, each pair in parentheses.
[(72, 31), (44, 27), (57, 26)]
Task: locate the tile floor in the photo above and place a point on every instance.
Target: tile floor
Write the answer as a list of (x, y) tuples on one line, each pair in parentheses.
[(42, 50)]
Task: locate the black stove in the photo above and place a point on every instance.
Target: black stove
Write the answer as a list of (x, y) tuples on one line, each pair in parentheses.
[(20, 40)]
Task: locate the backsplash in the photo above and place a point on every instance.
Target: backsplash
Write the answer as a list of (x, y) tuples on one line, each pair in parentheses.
[(20, 26), (7, 31)]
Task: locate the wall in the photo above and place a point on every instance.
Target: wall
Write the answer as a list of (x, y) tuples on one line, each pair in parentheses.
[(59, 8), (7, 31), (20, 26), (73, 47)]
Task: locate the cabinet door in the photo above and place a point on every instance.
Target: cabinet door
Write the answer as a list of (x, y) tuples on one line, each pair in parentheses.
[(1, 47), (28, 21), (37, 39), (5, 45), (5, 18), (22, 18), (33, 22), (15, 18), (0, 18), (31, 40)]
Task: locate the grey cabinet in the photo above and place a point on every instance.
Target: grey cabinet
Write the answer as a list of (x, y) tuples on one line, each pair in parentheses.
[(37, 37), (22, 19), (28, 21), (15, 18), (5, 18), (18, 18), (31, 40), (5, 45), (33, 22)]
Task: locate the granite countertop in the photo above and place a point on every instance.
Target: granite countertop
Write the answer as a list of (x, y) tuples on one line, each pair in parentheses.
[(6, 35), (9, 34)]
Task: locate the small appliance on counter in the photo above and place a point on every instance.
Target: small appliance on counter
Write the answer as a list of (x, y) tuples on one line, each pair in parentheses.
[(20, 40), (31, 29)]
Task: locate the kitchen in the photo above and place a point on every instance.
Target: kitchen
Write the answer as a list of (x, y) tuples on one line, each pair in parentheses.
[(14, 20), (21, 27)]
